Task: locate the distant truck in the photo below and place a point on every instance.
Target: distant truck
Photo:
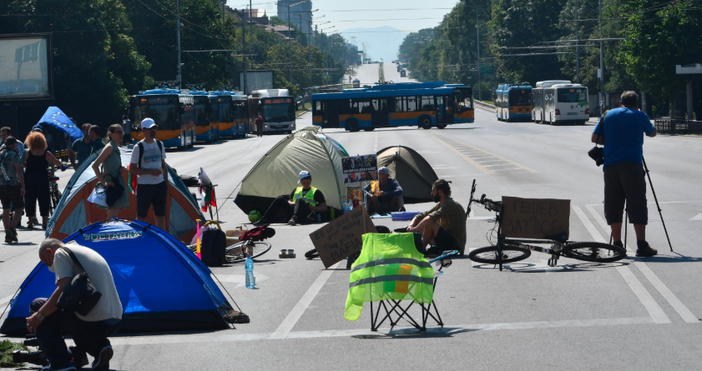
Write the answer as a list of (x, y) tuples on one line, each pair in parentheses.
[(403, 73)]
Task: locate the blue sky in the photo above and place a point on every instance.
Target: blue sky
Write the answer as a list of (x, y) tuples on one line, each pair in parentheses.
[(346, 14)]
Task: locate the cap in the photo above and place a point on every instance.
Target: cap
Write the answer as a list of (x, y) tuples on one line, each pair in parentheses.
[(384, 170), (303, 174), (38, 128), (148, 123), (10, 141)]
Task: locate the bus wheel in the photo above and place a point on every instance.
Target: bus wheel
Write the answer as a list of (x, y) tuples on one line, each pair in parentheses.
[(441, 125), (368, 129), (425, 122), (352, 125)]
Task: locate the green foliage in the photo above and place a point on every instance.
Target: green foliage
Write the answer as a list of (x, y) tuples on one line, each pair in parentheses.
[(6, 349)]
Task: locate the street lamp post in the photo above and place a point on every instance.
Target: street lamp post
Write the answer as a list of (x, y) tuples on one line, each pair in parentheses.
[(289, 38)]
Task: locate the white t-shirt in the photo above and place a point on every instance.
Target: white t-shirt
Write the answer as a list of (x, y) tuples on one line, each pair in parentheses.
[(151, 160), (109, 306)]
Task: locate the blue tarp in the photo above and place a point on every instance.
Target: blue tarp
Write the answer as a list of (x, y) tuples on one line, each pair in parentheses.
[(161, 284), (56, 119)]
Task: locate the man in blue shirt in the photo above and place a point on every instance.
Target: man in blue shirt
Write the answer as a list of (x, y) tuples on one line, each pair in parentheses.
[(622, 133), (81, 148), (385, 195)]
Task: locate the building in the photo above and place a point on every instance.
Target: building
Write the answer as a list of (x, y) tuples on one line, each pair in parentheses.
[(300, 15)]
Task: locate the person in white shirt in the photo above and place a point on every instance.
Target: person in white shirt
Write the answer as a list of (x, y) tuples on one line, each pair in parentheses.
[(148, 163)]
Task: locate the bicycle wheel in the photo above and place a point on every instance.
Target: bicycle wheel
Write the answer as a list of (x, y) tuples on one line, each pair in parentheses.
[(594, 252), (235, 253), (488, 255)]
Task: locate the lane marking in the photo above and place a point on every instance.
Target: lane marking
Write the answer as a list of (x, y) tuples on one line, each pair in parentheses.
[(289, 322), (654, 310), (225, 336), (673, 300), (465, 157), (498, 156), (375, 145), (695, 218)]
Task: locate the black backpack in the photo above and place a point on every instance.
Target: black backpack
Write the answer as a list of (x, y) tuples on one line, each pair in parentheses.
[(213, 244)]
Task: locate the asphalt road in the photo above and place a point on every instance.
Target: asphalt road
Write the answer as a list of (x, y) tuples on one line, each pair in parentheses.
[(632, 315)]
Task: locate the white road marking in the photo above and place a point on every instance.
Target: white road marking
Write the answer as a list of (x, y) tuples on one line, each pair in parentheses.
[(375, 145), (289, 322), (673, 300), (654, 310), (695, 218)]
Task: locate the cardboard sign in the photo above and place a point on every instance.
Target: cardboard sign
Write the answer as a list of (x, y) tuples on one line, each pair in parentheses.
[(534, 217), (341, 238)]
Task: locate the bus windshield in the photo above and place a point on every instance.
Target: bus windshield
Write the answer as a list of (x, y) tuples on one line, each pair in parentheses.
[(201, 114), (163, 112), (278, 112), (520, 97), (464, 100), (572, 95)]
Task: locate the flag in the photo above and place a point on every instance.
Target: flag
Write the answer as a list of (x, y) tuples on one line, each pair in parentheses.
[(206, 190), (132, 181), (55, 118)]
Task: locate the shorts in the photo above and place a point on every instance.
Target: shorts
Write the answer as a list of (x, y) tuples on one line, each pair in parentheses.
[(11, 195), (152, 194), (625, 182), (445, 241)]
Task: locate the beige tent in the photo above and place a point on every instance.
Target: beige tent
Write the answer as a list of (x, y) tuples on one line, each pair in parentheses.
[(411, 170), (276, 173)]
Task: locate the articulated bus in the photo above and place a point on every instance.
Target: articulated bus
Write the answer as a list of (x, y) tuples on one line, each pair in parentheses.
[(513, 102), (560, 101), (205, 131), (229, 114), (424, 104), (276, 107), (173, 112)]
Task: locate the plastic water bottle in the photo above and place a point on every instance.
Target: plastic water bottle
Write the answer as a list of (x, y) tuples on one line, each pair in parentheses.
[(250, 280)]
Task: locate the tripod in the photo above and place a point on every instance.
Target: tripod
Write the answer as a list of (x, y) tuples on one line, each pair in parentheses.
[(658, 206)]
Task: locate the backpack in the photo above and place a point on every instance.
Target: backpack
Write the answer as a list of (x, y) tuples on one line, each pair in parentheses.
[(213, 246), (141, 149)]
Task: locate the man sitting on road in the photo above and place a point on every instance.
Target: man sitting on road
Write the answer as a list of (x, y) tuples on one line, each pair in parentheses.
[(300, 207), (444, 226), (89, 332), (384, 195)]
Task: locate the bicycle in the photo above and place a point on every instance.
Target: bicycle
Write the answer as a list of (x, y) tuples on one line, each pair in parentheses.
[(238, 252), (508, 250)]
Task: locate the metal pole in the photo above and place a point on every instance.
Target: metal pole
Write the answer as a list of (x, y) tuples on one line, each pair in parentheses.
[(243, 34), (289, 45), (658, 206), (601, 64), (179, 74), (577, 49), (477, 27)]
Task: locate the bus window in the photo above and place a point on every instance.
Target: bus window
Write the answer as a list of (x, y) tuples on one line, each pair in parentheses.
[(427, 103), (519, 97), (317, 106), (399, 106), (411, 104), (365, 107), (566, 95)]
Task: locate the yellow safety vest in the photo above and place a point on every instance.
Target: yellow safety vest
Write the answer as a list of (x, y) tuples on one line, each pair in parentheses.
[(389, 267), (309, 196)]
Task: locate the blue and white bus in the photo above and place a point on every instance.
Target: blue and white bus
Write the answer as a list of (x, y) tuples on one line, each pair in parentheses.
[(513, 102), (173, 112), (424, 104)]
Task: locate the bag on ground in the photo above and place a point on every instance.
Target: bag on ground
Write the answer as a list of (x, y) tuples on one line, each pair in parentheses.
[(212, 247)]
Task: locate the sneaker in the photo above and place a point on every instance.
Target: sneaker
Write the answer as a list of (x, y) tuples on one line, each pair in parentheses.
[(68, 367), (261, 222), (644, 249), (102, 362), (618, 244), (15, 236), (292, 221), (8, 236), (433, 251)]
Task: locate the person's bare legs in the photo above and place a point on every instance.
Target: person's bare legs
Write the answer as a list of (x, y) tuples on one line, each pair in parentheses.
[(428, 234), (161, 222), (640, 230), (16, 216), (112, 213)]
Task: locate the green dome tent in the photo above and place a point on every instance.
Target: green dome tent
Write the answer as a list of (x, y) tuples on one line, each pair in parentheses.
[(411, 170)]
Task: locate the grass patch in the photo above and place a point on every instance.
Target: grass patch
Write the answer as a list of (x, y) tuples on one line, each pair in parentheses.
[(6, 349), (303, 108)]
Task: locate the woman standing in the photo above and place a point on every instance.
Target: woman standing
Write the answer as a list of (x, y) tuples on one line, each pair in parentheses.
[(36, 160), (111, 160)]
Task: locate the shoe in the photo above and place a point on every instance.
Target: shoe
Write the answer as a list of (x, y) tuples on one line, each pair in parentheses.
[(12, 234), (102, 362), (8, 236), (618, 244), (261, 222), (30, 224), (644, 249), (68, 367), (292, 221), (433, 251)]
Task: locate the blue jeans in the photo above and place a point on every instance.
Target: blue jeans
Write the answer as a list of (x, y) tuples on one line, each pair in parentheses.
[(90, 337)]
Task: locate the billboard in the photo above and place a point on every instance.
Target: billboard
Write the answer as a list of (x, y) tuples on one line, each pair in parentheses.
[(256, 80), (25, 67)]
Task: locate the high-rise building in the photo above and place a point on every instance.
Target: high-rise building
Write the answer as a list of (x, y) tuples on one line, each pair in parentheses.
[(300, 15)]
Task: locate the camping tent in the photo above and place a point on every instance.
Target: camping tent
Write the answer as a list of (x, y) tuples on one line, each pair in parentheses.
[(74, 211), (276, 172), (161, 284), (411, 170)]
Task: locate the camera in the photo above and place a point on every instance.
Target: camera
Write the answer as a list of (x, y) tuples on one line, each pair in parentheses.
[(597, 154)]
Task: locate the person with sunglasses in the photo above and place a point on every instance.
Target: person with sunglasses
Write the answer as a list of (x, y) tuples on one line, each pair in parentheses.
[(111, 160), (148, 163)]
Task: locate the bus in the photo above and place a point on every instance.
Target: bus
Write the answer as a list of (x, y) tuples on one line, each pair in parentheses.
[(513, 102), (205, 131), (221, 117), (423, 104), (240, 112), (276, 107), (560, 101), (172, 111)]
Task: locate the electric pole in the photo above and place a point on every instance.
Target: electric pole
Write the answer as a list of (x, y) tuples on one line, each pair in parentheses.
[(477, 28), (243, 38), (577, 48), (179, 74), (602, 92)]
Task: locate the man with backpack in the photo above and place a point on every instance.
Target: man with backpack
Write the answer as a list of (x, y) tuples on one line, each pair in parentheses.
[(148, 163)]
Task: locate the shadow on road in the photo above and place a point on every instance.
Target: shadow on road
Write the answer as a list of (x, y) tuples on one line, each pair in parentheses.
[(413, 333)]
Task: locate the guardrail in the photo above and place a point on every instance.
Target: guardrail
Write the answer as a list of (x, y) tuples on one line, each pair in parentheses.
[(483, 105), (665, 125)]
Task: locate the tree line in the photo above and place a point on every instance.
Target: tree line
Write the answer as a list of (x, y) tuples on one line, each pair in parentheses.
[(106, 50), (529, 41)]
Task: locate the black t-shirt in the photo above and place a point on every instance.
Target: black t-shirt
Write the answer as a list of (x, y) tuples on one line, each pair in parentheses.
[(318, 196)]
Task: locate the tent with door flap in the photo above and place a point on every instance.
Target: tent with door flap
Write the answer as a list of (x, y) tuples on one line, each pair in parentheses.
[(276, 173), (411, 170), (161, 284), (75, 212)]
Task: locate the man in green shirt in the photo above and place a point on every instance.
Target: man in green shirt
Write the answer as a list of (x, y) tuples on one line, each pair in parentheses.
[(444, 226)]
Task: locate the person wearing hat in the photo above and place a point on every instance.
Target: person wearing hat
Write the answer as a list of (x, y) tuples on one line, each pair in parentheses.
[(11, 188), (148, 163), (384, 195), (300, 207)]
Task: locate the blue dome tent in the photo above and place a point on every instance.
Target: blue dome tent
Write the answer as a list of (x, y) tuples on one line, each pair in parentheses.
[(161, 284)]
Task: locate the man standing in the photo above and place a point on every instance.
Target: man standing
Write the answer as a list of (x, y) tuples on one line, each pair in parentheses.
[(148, 163), (6, 132), (384, 195), (89, 332), (444, 226), (11, 188), (83, 147), (622, 133), (259, 125), (300, 207), (96, 138)]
